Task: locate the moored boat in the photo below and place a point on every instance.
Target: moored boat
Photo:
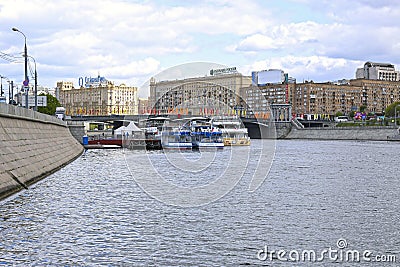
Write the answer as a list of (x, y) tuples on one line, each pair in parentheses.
[(233, 131), (176, 138), (204, 135), (153, 131)]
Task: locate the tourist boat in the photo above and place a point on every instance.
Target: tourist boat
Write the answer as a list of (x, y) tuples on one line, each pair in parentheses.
[(153, 131), (176, 138), (233, 131), (204, 135)]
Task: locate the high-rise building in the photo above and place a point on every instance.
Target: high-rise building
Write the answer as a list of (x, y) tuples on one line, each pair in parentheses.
[(378, 71)]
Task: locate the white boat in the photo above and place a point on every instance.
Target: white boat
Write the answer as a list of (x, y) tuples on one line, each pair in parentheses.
[(176, 138), (233, 131)]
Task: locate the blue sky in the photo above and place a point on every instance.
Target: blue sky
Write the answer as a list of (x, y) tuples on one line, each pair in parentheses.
[(130, 41)]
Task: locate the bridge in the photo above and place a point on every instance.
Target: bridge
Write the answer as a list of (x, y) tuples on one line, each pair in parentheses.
[(257, 128)]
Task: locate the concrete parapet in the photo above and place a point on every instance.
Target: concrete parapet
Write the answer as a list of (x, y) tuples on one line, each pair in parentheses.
[(33, 145), (344, 133)]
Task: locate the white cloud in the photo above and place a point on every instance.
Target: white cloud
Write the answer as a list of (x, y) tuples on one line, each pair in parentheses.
[(143, 67), (131, 39), (317, 68)]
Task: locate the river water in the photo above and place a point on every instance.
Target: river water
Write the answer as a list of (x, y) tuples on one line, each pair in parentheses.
[(319, 195)]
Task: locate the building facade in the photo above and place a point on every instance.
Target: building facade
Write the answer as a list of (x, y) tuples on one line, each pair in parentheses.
[(378, 71), (259, 98), (376, 86), (98, 96), (144, 107), (325, 100), (376, 95), (217, 94)]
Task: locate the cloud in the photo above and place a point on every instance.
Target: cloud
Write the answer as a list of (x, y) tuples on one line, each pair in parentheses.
[(317, 68), (109, 34), (132, 39), (330, 40)]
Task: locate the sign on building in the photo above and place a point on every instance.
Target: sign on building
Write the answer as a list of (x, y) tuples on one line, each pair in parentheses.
[(41, 101), (223, 71), (265, 77)]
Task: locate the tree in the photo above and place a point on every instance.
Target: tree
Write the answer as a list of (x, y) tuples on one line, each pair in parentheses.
[(363, 108), (338, 114), (389, 111), (52, 103)]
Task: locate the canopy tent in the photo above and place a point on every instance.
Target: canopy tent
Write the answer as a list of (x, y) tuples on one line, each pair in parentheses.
[(130, 130)]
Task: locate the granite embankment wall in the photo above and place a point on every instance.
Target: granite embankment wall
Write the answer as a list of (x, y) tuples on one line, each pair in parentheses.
[(344, 133), (32, 146)]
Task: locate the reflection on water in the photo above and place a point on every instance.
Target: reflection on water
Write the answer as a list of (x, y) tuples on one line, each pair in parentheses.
[(93, 213)]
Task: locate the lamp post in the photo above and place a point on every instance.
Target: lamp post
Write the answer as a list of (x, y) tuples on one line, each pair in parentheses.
[(1, 85), (26, 81)]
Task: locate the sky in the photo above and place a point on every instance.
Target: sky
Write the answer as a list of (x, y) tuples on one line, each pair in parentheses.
[(129, 41)]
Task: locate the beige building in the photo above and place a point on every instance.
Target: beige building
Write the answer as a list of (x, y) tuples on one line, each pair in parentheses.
[(98, 96), (324, 100), (329, 98), (377, 85), (259, 98), (376, 95), (218, 93), (144, 107)]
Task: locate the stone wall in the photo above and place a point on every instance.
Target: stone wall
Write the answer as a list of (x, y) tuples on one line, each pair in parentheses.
[(77, 129), (344, 133), (32, 146)]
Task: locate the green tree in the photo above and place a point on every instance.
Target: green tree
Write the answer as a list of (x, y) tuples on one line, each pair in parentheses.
[(363, 108), (52, 103), (339, 113), (389, 111)]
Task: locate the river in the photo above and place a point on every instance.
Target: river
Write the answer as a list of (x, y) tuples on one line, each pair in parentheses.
[(108, 209)]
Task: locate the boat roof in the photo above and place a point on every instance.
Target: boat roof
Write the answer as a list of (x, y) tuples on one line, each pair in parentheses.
[(198, 118), (158, 118)]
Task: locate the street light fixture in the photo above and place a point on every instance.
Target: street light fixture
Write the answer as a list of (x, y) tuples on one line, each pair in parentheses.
[(1, 85), (26, 81)]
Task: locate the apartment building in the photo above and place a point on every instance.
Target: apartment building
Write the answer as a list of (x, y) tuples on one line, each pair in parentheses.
[(98, 96)]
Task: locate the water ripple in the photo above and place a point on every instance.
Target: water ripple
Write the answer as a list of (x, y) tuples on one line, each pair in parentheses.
[(92, 213)]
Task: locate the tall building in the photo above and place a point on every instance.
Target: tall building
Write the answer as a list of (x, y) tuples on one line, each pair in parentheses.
[(98, 96), (144, 107), (376, 95), (378, 71), (258, 99), (218, 93), (324, 100)]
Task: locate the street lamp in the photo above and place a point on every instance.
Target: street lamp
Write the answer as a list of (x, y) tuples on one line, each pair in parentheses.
[(1, 85), (26, 81)]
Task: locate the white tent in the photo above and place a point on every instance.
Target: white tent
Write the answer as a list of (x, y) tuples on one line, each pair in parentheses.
[(130, 130)]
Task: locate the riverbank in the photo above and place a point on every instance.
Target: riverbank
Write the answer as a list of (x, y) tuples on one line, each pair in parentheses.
[(33, 145)]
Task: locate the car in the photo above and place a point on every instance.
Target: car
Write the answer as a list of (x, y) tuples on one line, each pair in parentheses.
[(341, 119)]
